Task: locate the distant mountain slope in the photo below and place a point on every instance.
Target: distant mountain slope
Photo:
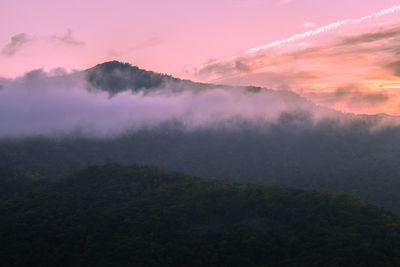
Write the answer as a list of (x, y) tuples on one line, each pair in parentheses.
[(291, 153), (115, 77), (141, 216)]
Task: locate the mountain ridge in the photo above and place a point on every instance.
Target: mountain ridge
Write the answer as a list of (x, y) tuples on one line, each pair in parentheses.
[(115, 77)]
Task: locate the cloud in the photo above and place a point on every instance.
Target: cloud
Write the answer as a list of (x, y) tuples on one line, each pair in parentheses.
[(256, 51), (17, 42), (326, 28), (354, 95), (68, 39), (22, 40), (240, 66), (277, 80), (349, 47), (58, 103), (52, 103), (395, 67), (352, 56), (372, 37)]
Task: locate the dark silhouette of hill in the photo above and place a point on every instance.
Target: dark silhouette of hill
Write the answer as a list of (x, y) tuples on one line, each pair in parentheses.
[(115, 77), (143, 216)]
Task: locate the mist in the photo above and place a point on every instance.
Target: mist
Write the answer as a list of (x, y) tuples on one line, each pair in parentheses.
[(58, 103)]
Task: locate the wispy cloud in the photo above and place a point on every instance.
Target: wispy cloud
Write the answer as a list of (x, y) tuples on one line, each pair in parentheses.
[(16, 43), (350, 95), (361, 55), (372, 36), (326, 28), (68, 39), (23, 40), (365, 61), (299, 36)]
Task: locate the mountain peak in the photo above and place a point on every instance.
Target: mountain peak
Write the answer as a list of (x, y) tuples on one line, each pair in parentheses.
[(114, 65), (115, 77)]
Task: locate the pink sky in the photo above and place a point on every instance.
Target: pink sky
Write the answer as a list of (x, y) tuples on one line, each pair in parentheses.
[(181, 37)]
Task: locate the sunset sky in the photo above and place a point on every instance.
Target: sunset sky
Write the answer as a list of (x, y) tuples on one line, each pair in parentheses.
[(340, 54)]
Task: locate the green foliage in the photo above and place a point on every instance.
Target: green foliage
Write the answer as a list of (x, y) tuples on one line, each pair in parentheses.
[(143, 216)]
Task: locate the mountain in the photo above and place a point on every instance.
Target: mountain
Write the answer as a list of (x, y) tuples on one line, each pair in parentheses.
[(143, 216), (116, 77), (305, 146)]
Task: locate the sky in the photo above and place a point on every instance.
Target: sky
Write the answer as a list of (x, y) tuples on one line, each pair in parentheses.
[(339, 54)]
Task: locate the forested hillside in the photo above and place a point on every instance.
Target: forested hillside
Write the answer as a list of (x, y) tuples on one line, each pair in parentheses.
[(291, 153), (143, 216)]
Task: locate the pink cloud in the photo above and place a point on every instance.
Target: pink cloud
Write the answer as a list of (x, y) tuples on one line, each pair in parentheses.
[(348, 70)]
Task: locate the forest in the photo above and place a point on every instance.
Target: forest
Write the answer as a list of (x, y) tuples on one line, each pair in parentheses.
[(134, 215)]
